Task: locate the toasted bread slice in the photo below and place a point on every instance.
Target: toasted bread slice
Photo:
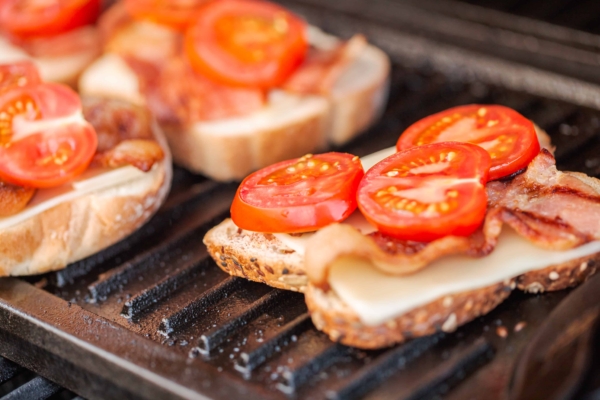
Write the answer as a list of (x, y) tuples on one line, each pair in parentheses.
[(256, 256), (76, 223), (341, 323), (334, 317), (289, 125)]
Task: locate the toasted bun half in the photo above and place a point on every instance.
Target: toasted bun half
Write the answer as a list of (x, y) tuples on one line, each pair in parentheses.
[(77, 228)]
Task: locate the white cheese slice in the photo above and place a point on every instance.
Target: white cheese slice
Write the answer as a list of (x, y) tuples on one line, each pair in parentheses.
[(94, 179), (377, 297)]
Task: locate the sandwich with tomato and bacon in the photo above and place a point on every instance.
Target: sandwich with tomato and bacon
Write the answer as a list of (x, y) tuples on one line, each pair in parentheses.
[(238, 84), (436, 232), (58, 36), (75, 175)]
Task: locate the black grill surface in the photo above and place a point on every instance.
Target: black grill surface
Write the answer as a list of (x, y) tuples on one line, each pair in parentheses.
[(153, 317)]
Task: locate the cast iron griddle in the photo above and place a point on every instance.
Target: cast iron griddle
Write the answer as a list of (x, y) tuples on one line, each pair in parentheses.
[(153, 317)]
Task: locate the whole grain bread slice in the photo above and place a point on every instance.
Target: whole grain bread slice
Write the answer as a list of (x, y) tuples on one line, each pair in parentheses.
[(256, 256), (342, 324)]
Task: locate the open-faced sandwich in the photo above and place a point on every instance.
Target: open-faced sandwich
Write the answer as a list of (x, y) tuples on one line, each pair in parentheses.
[(75, 177), (58, 36), (237, 84), (467, 208)]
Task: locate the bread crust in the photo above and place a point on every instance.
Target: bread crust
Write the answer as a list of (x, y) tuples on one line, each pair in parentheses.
[(334, 317), (559, 277), (73, 230), (256, 256), (232, 157)]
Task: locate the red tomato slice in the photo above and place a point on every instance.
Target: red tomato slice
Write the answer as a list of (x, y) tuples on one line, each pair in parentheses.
[(427, 192), (33, 18), (509, 137), (246, 43), (50, 158), (177, 14), (21, 73), (299, 195), (44, 140)]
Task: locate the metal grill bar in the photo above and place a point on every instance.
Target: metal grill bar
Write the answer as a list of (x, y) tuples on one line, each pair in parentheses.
[(383, 367), (164, 288), (181, 318), (252, 358), (36, 389), (242, 316)]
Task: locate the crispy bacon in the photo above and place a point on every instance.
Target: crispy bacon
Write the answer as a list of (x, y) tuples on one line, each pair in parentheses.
[(322, 67), (553, 209), (13, 198), (180, 95), (124, 134), (85, 39)]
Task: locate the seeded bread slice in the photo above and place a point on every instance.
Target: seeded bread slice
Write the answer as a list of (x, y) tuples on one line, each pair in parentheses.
[(256, 256), (334, 317), (331, 315)]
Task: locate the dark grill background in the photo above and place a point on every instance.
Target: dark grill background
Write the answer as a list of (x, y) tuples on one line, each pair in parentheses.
[(153, 316)]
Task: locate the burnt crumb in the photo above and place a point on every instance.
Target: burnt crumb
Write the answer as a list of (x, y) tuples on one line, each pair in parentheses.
[(224, 264), (222, 257), (239, 231), (253, 259), (285, 271), (260, 272), (269, 269)]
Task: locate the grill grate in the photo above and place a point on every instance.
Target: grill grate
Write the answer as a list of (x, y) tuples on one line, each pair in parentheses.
[(153, 317), (17, 383)]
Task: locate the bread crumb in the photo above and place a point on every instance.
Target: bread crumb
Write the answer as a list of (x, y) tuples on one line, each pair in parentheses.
[(451, 323), (583, 266), (513, 285), (534, 287), (447, 302), (519, 327), (469, 305), (392, 324), (502, 331), (554, 275)]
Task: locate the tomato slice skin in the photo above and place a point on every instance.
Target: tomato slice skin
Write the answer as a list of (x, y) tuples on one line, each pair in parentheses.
[(246, 43), (50, 158), (509, 137), (26, 19), (175, 14), (299, 195), (18, 74), (44, 141), (427, 192)]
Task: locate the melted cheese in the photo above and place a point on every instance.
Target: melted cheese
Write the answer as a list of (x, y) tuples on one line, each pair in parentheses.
[(93, 180), (377, 297)]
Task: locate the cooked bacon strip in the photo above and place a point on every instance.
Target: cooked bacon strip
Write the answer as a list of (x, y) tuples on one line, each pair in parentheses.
[(84, 39), (141, 153), (180, 95), (553, 209), (13, 198), (124, 134), (322, 68)]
